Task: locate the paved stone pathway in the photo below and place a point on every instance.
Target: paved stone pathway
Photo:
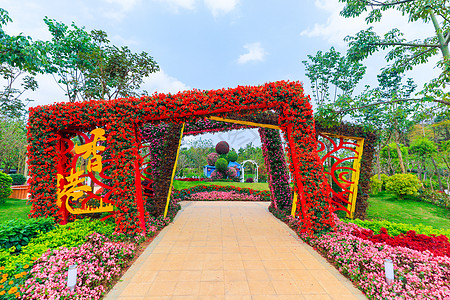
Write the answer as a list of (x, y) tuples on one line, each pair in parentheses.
[(230, 250)]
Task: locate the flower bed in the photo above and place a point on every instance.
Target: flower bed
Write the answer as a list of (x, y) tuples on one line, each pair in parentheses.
[(223, 196), (99, 261), (186, 194), (192, 179), (39, 271), (418, 274)]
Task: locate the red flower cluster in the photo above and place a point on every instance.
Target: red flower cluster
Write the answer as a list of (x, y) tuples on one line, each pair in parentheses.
[(438, 245)]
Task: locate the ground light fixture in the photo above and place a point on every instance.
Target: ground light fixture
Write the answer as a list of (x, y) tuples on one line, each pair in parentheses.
[(72, 277), (389, 271)]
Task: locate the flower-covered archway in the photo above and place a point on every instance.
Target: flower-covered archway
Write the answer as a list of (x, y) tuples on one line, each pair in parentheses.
[(113, 130), (249, 161)]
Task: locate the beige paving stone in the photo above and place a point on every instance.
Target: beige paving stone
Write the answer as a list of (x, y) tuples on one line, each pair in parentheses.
[(187, 288), (285, 287), (256, 275), (261, 287), (211, 288), (230, 250), (212, 275)]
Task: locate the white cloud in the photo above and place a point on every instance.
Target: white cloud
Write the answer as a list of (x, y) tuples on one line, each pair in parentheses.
[(255, 53), (163, 83), (125, 6), (337, 27), (177, 4), (221, 6)]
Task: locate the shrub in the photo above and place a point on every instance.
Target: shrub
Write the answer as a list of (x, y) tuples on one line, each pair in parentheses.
[(69, 235), (437, 198), (221, 164), (19, 232), (222, 147), (5, 185), (212, 158), (395, 229), (375, 184), (216, 175), (232, 156), (384, 179), (231, 172), (403, 184), (18, 179), (249, 180)]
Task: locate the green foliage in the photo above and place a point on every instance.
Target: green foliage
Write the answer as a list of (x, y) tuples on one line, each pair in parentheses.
[(395, 229), (13, 141), (404, 54), (423, 147), (18, 179), (384, 179), (389, 153), (330, 71), (19, 232), (70, 235), (375, 184), (232, 156), (21, 59), (87, 67), (222, 164), (439, 199), (403, 184), (5, 186)]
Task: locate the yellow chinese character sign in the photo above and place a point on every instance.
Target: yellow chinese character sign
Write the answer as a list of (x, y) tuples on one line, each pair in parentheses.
[(80, 172)]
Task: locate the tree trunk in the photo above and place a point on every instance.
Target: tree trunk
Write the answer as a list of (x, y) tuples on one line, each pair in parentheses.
[(441, 187), (399, 153), (378, 168)]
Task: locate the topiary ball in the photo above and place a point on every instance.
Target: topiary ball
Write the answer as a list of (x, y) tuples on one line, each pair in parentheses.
[(231, 172), (232, 156), (221, 164), (212, 158), (222, 147), (215, 175), (249, 180)]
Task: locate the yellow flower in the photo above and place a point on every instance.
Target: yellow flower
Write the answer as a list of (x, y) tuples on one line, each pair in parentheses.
[(2, 268), (26, 266), (1, 286), (13, 290), (11, 282), (18, 275), (3, 280), (5, 275), (17, 295), (2, 293)]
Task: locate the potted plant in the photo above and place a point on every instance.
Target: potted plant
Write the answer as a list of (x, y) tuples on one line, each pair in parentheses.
[(19, 188)]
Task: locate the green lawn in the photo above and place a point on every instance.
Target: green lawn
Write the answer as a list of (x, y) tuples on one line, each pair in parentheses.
[(179, 185), (385, 206), (14, 208)]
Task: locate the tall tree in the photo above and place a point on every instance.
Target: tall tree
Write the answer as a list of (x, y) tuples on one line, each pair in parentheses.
[(86, 66), (20, 59), (333, 79), (405, 54)]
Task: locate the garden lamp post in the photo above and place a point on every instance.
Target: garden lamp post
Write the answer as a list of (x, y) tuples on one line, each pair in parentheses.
[(72, 277), (389, 271)]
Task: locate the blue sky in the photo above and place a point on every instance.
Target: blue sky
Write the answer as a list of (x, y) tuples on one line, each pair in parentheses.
[(209, 44)]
